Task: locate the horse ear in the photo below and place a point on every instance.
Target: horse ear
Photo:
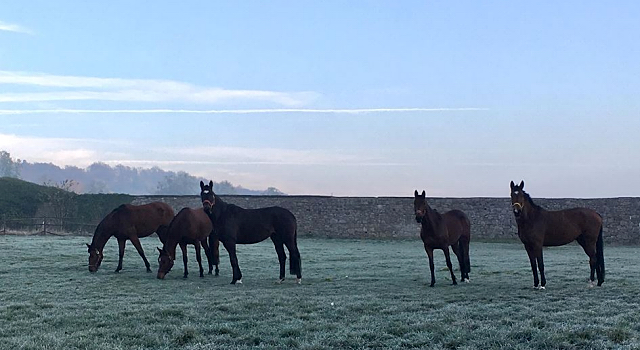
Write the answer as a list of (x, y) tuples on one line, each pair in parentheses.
[(512, 185), (211, 185), (201, 185), (415, 193), (88, 245), (159, 250), (522, 185), (424, 193)]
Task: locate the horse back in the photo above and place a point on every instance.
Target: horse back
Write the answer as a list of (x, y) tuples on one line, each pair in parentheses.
[(564, 226), (458, 225), (255, 225), (190, 225), (142, 220)]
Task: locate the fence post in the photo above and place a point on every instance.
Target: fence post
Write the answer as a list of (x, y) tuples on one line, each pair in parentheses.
[(44, 226)]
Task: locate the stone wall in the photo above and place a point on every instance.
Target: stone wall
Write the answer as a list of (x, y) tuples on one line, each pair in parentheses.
[(392, 217)]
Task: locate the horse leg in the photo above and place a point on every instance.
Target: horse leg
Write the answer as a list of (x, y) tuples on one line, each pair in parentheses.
[(430, 255), (199, 257), (231, 249), (207, 252), (460, 255), (183, 247), (448, 259), (534, 268), (214, 245), (282, 257), (543, 281), (295, 264), (121, 243), (590, 250), (136, 243)]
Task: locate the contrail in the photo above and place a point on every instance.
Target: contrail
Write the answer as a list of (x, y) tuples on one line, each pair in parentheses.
[(233, 111)]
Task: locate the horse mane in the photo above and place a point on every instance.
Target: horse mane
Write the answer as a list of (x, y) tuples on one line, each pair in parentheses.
[(528, 198)]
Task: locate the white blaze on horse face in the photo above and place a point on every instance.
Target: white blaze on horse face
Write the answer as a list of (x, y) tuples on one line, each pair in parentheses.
[(516, 192), (205, 191)]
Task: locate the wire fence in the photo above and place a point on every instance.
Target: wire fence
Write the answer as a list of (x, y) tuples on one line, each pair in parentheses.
[(45, 226)]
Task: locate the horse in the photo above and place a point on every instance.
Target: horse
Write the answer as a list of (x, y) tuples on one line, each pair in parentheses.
[(235, 225), (190, 226), (538, 227), (439, 231), (128, 222)]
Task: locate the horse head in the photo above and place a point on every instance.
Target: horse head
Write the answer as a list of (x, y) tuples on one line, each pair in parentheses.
[(207, 197), (165, 263), (95, 257), (420, 205), (517, 198)]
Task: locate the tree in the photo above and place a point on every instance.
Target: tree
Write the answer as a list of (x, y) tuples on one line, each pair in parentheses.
[(179, 183), (224, 187), (272, 191), (9, 167)]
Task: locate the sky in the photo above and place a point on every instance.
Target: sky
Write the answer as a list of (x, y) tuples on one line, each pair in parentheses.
[(344, 98)]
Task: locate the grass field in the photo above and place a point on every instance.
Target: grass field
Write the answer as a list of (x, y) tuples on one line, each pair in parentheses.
[(354, 295)]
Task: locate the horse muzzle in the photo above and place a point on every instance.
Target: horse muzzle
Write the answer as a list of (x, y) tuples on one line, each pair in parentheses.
[(418, 219), (517, 209), (161, 275), (93, 268)]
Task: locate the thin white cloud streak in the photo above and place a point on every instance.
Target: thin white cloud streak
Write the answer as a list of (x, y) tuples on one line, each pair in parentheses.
[(141, 90), (9, 27), (83, 152), (234, 111)]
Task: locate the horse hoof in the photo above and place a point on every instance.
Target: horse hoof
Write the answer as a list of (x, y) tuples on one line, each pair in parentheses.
[(298, 280), (280, 281), (236, 282), (466, 280)]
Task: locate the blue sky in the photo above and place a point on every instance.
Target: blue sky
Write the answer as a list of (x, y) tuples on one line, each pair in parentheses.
[(369, 98)]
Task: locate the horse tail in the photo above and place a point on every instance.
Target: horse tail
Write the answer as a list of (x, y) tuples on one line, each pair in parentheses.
[(464, 243), (295, 263), (600, 254)]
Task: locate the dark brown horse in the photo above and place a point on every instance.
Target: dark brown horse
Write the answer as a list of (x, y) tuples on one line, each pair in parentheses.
[(190, 226), (234, 225), (538, 227), (128, 222), (439, 231)]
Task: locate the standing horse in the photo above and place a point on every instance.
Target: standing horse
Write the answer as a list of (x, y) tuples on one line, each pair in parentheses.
[(538, 227), (235, 225), (128, 222), (439, 231), (190, 226)]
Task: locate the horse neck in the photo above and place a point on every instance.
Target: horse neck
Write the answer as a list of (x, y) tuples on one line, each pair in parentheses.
[(431, 218), (170, 247), (532, 211), (100, 237)]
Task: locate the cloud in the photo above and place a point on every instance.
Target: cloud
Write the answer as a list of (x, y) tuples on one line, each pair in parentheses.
[(8, 27), (83, 152), (234, 111), (142, 90)]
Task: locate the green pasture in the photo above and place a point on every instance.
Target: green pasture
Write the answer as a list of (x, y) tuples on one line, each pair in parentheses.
[(356, 294)]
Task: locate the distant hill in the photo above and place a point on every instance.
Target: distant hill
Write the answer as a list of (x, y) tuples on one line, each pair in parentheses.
[(20, 199), (103, 178)]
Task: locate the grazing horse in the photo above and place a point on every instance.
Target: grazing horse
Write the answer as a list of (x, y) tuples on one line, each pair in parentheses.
[(190, 226), (128, 222), (235, 225), (538, 227), (439, 231)]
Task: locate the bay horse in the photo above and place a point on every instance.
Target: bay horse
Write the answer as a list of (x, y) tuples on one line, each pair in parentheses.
[(439, 231), (538, 227), (128, 222), (190, 226), (235, 225)]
